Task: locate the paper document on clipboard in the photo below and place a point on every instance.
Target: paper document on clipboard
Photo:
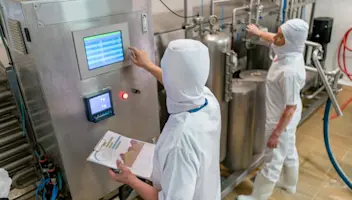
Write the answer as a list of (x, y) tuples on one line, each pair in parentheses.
[(137, 155)]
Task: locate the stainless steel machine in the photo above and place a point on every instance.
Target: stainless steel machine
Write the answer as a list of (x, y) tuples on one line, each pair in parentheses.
[(78, 82)]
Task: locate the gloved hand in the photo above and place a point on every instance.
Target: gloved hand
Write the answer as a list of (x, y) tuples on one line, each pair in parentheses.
[(5, 183)]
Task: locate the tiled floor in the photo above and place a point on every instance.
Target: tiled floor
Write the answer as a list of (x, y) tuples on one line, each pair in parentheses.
[(318, 180)]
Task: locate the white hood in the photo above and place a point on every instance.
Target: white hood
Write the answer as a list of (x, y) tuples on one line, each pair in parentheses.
[(185, 70), (295, 32)]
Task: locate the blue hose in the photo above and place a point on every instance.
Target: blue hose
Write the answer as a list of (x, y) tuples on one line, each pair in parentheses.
[(328, 148), (284, 11)]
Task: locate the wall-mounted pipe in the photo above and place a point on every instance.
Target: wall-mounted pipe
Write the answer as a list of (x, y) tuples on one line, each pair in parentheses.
[(13, 151), (234, 12), (5, 94), (18, 163), (16, 179), (8, 139), (8, 123)]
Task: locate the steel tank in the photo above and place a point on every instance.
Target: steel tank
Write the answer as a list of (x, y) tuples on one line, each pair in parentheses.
[(258, 77), (241, 125), (219, 44)]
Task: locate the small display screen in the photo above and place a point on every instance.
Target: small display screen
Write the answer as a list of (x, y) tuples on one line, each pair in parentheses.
[(100, 103), (104, 49)]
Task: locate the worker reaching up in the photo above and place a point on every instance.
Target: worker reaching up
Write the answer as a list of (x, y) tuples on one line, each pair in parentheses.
[(286, 78), (186, 159)]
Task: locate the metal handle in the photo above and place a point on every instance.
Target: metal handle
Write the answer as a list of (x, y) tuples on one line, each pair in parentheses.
[(231, 68), (325, 81)]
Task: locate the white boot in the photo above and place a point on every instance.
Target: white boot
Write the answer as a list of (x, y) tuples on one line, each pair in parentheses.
[(262, 189), (289, 179)]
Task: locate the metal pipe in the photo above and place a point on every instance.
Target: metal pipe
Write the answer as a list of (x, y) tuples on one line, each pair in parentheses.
[(326, 83), (259, 10), (8, 123), (280, 15), (27, 196), (187, 12), (220, 1), (13, 151), (234, 22), (315, 93), (23, 174), (329, 73), (18, 163), (5, 94), (288, 9), (212, 8), (311, 20), (314, 44), (7, 109), (10, 138), (299, 13)]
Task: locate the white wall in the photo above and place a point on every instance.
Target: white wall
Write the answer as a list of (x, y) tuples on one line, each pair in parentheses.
[(340, 10)]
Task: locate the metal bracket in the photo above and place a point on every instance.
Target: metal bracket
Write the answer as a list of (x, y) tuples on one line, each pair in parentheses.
[(231, 68), (144, 23)]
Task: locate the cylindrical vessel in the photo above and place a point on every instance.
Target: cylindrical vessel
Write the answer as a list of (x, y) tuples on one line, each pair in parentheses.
[(258, 77), (241, 126), (218, 44)]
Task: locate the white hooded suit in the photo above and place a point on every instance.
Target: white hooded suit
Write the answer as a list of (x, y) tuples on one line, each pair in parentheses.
[(286, 78), (186, 159)]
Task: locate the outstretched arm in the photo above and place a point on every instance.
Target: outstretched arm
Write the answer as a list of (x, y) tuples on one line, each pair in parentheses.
[(253, 29), (140, 58)]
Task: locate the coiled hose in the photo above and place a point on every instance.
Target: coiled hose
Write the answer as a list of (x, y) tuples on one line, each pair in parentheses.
[(328, 148)]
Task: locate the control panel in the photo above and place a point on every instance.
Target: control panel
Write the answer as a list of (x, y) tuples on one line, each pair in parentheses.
[(102, 49), (99, 106)]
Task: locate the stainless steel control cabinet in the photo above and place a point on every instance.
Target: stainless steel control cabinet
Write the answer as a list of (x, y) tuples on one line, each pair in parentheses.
[(43, 36)]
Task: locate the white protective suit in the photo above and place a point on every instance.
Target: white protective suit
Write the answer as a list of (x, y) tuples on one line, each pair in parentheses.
[(186, 159), (286, 78), (5, 184)]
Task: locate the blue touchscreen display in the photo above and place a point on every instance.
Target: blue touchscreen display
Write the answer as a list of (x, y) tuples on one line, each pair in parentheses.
[(104, 49)]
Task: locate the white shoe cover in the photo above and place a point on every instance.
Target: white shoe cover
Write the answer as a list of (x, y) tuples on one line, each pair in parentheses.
[(289, 179), (262, 189)]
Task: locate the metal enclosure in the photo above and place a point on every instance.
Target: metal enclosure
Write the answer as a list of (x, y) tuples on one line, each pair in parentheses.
[(258, 77), (241, 125), (43, 43), (219, 44)]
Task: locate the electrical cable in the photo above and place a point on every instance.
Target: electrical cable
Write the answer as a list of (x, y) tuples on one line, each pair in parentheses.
[(328, 148), (173, 12), (343, 49)]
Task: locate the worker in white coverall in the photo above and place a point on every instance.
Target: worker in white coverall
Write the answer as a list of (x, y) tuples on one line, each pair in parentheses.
[(286, 78), (5, 184), (186, 158)]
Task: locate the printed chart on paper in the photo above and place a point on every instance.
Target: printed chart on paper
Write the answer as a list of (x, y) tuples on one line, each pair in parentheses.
[(137, 155)]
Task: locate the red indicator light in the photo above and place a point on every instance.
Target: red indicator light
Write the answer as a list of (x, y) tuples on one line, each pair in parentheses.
[(123, 95)]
